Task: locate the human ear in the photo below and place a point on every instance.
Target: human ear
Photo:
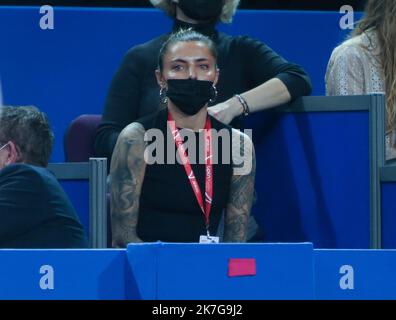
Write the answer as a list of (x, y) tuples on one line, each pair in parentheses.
[(13, 153), (217, 76), (160, 79)]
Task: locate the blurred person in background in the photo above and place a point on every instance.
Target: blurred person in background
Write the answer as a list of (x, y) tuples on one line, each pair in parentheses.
[(34, 210), (366, 62)]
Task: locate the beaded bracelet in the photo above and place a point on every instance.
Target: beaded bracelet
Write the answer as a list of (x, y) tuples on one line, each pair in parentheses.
[(244, 104)]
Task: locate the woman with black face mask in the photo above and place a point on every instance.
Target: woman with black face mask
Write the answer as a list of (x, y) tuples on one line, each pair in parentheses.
[(172, 176), (253, 77)]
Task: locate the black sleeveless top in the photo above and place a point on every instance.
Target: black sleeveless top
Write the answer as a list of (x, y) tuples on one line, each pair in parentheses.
[(169, 210)]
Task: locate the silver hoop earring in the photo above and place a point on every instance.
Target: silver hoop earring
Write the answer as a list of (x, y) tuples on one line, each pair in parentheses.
[(163, 97), (214, 97)]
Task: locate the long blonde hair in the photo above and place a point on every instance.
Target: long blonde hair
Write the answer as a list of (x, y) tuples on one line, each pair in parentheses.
[(380, 15), (226, 16)]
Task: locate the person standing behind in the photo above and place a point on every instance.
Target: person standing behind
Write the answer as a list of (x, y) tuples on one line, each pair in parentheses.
[(366, 62), (34, 210), (261, 77)]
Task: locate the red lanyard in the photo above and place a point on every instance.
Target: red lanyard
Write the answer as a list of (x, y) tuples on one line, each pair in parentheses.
[(189, 170)]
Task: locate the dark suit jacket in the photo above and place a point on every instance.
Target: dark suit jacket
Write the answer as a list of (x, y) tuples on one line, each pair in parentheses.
[(35, 212)]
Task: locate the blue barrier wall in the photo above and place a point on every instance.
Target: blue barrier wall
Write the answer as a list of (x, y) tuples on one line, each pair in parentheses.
[(78, 193), (198, 271), (63, 274), (355, 274), (158, 271), (67, 71), (312, 177), (190, 271), (388, 216)]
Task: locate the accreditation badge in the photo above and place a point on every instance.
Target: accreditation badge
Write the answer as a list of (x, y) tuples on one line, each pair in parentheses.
[(208, 239)]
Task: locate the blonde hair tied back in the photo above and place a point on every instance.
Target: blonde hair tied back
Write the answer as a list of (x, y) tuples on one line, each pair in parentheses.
[(227, 14)]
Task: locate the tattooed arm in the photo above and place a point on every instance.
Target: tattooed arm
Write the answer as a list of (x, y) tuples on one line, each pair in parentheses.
[(242, 188), (126, 179)]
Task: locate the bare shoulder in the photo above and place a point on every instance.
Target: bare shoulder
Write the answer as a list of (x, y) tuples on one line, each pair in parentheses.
[(129, 149), (133, 131)]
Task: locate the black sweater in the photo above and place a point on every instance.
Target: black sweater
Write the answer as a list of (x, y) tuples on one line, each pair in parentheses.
[(244, 64), (35, 211)]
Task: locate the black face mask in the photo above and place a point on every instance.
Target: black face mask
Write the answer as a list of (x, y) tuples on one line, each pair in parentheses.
[(189, 95), (202, 10)]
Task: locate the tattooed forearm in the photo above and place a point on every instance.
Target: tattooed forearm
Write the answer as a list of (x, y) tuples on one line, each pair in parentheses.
[(126, 178), (241, 192)]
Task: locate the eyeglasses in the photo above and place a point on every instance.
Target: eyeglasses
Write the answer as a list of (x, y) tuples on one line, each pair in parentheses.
[(4, 145)]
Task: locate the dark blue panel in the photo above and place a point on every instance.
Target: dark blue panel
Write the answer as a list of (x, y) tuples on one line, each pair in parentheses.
[(388, 215), (78, 193), (200, 271), (312, 178), (77, 274), (143, 268), (367, 274)]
